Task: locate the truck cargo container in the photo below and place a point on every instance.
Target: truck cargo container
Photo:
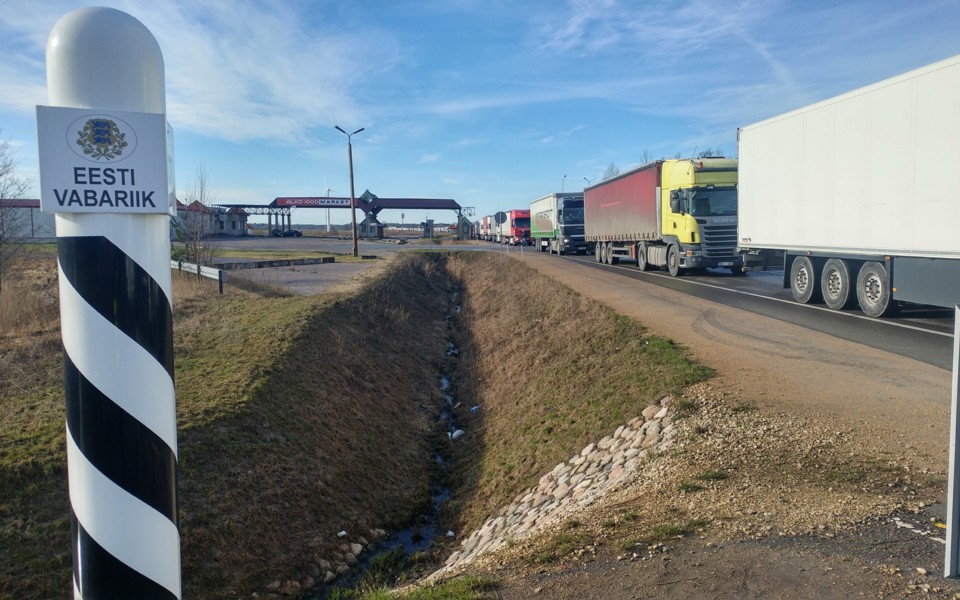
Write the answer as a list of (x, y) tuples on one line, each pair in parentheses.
[(486, 228), (854, 193), (515, 230), (556, 224), (676, 214)]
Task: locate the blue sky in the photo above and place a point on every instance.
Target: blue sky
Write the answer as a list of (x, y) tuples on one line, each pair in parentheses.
[(488, 102)]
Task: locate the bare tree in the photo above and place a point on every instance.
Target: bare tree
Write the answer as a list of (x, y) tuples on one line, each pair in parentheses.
[(194, 227), (711, 153), (13, 229), (610, 171), (646, 157)]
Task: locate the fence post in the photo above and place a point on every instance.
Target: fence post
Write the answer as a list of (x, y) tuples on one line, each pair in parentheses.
[(105, 73)]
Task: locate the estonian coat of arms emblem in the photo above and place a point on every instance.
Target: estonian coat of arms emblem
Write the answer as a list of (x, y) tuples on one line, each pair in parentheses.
[(101, 139)]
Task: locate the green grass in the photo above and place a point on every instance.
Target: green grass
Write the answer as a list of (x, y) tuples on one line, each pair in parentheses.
[(662, 533), (559, 546), (684, 407), (464, 588), (668, 531), (713, 476), (558, 371)]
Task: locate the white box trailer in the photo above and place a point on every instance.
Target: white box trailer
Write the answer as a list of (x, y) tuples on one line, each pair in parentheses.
[(856, 193)]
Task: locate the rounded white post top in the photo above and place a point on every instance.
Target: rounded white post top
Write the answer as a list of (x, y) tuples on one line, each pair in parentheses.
[(104, 58)]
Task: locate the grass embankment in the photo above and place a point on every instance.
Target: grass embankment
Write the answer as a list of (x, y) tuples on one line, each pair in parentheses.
[(553, 372), (298, 417)]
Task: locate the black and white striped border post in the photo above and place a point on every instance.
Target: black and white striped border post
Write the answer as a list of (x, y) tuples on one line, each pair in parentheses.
[(116, 320)]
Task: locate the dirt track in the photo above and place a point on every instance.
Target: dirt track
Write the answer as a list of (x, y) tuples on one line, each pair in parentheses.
[(780, 366)]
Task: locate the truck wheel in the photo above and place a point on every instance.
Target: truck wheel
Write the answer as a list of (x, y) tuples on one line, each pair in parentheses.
[(873, 290), (803, 280), (673, 260), (642, 257), (738, 271), (606, 253), (598, 252), (835, 284)]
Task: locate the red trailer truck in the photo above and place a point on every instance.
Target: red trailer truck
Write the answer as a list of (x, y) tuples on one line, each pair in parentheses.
[(515, 230), (678, 214)]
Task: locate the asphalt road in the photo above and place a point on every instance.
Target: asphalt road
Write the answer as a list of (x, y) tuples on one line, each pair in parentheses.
[(919, 332)]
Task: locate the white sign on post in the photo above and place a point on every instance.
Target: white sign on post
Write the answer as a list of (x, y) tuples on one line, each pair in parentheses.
[(95, 161)]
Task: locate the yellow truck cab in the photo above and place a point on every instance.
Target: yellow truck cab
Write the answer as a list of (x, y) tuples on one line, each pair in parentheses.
[(692, 190), (677, 214)]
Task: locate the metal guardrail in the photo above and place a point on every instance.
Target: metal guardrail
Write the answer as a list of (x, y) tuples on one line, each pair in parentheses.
[(209, 272)]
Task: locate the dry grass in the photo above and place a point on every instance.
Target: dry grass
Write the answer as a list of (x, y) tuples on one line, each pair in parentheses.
[(28, 300), (551, 371), (302, 416)]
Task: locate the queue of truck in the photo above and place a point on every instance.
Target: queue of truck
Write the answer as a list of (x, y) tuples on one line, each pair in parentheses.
[(850, 197)]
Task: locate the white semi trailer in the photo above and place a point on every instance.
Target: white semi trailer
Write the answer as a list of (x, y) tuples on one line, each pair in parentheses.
[(856, 194)]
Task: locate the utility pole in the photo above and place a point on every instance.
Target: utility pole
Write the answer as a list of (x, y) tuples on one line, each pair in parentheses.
[(353, 200)]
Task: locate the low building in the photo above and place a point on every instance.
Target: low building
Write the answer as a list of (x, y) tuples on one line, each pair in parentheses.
[(21, 219), (199, 219)]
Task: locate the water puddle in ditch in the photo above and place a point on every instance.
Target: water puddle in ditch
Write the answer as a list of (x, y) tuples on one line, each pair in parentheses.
[(423, 531)]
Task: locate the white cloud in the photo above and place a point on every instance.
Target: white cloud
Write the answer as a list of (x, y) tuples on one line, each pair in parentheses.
[(551, 138), (429, 158), (235, 70)]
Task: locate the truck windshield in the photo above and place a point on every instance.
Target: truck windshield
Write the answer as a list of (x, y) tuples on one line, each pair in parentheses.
[(522, 222), (720, 201), (572, 215)]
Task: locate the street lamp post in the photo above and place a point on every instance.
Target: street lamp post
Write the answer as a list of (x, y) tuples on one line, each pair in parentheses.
[(562, 181), (353, 200)]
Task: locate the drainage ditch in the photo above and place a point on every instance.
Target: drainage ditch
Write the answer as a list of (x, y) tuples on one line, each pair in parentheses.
[(419, 537)]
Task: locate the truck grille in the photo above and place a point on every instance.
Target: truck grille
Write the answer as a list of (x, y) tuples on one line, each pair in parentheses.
[(719, 240), (573, 230)]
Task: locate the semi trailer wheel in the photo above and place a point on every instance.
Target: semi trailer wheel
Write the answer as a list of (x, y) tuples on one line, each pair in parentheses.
[(598, 252), (835, 284), (873, 290), (803, 280)]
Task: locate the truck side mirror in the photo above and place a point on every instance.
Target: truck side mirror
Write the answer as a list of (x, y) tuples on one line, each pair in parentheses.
[(675, 201)]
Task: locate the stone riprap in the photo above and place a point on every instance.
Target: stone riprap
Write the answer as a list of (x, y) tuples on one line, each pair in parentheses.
[(597, 470)]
